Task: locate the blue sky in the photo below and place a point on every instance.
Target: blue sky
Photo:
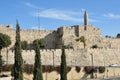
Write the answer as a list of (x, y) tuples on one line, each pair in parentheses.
[(104, 14)]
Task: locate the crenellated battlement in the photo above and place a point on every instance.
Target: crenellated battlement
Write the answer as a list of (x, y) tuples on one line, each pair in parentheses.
[(80, 57)]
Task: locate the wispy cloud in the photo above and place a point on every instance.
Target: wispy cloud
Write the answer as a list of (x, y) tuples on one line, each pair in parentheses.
[(58, 14), (66, 15), (62, 15), (113, 16), (31, 5)]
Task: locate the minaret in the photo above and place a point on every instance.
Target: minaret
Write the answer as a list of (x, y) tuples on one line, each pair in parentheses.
[(85, 20)]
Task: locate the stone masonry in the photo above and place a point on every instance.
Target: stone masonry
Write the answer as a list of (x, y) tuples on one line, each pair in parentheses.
[(81, 57)]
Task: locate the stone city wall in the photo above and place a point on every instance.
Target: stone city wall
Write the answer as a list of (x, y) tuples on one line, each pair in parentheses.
[(66, 35), (30, 35), (81, 57)]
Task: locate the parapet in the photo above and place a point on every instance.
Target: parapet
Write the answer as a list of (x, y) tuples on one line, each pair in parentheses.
[(9, 26)]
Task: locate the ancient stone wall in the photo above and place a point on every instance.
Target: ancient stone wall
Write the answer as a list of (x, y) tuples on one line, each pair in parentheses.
[(66, 35), (71, 33), (30, 35), (81, 57)]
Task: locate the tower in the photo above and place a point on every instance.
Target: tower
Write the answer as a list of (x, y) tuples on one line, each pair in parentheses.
[(85, 20)]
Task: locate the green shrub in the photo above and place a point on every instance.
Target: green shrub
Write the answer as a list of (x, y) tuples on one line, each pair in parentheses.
[(88, 69), (28, 68), (24, 45), (77, 68), (49, 68), (101, 69), (41, 43), (7, 67)]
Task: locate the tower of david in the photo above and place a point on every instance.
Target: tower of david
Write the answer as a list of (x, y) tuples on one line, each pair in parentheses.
[(77, 52)]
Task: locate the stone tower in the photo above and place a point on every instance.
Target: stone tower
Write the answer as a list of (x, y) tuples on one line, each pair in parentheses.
[(85, 20)]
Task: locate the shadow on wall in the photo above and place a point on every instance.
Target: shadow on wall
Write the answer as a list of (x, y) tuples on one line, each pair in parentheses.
[(84, 76), (50, 40)]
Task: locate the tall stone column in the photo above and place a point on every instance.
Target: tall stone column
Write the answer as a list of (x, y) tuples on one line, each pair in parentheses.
[(85, 20)]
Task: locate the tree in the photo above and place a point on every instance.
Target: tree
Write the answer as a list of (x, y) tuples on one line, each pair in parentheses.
[(101, 69), (63, 67), (37, 65), (88, 69), (4, 42), (41, 43), (118, 35), (24, 45), (1, 63), (18, 63)]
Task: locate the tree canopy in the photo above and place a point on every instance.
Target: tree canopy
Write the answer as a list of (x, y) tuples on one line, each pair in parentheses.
[(41, 43), (4, 40), (37, 65), (24, 45), (63, 66), (18, 61)]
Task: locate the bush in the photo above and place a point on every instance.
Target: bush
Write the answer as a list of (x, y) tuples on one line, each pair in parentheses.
[(68, 69), (41, 43), (77, 69), (7, 67), (101, 69), (49, 68), (28, 68), (24, 45), (88, 69)]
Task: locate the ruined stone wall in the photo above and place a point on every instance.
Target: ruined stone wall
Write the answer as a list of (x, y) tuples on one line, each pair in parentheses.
[(30, 35), (81, 57)]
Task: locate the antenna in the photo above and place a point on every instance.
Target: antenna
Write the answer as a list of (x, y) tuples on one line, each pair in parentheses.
[(38, 20), (38, 23)]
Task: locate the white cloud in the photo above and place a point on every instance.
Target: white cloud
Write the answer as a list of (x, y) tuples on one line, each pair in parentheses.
[(32, 5), (57, 14), (62, 15), (113, 16), (76, 16)]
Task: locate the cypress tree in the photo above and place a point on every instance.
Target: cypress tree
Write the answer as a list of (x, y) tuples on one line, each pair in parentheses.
[(37, 65), (18, 64), (0, 63), (63, 68)]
